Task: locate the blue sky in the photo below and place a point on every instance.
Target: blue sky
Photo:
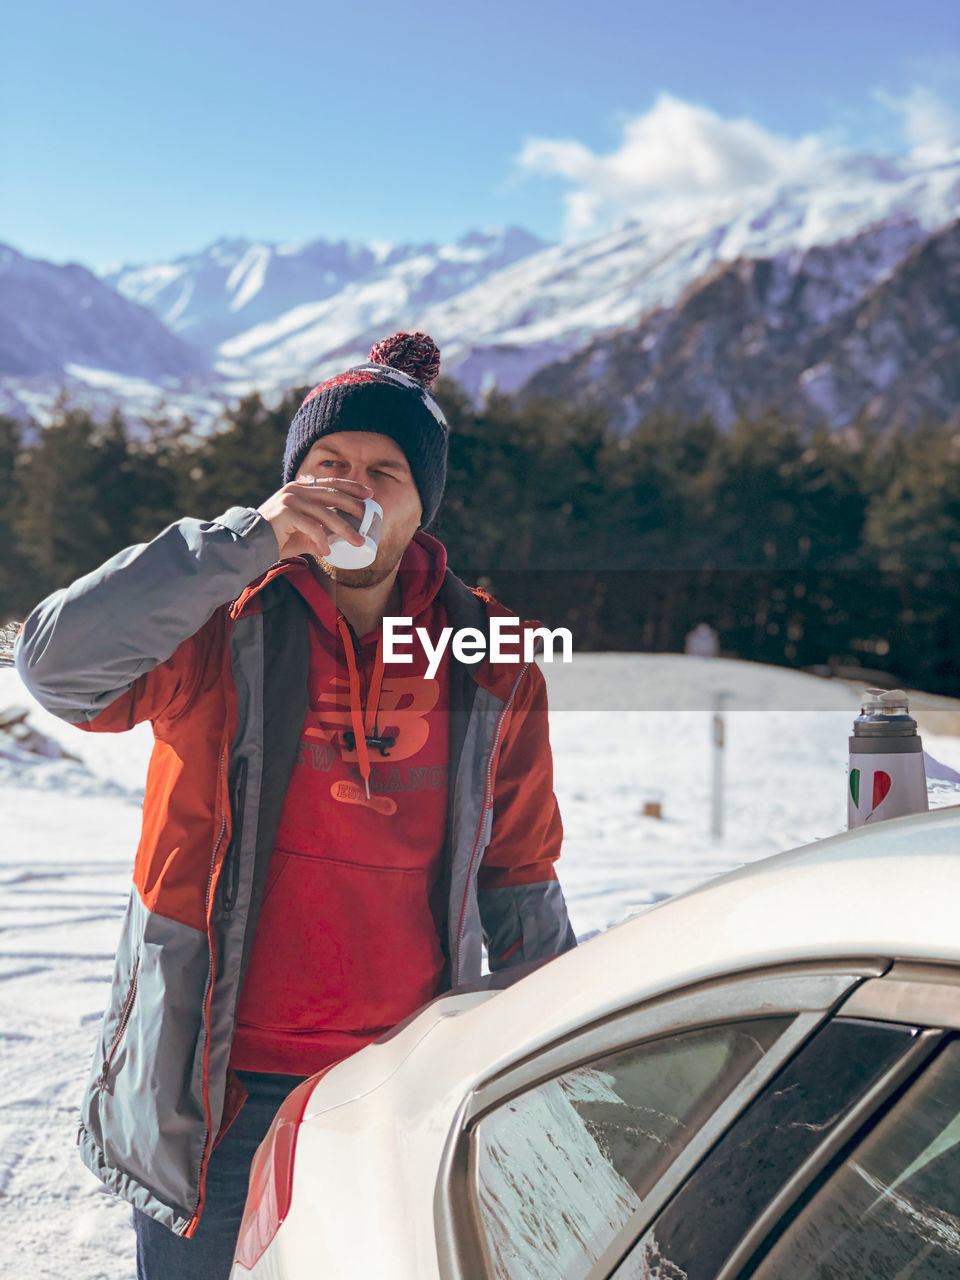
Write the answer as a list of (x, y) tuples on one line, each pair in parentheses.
[(136, 132)]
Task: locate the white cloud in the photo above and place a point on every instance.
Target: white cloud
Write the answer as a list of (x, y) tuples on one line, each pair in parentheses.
[(930, 126), (679, 155), (676, 151)]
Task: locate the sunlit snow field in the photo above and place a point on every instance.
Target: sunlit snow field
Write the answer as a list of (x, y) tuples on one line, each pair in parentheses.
[(69, 831)]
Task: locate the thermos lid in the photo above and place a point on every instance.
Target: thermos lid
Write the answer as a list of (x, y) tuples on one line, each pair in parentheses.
[(884, 712), (884, 701)]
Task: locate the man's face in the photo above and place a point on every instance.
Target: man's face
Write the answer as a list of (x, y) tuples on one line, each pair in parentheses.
[(378, 461)]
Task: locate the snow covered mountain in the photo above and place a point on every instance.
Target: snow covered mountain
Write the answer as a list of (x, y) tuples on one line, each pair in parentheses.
[(53, 316), (548, 303), (235, 288), (502, 305), (811, 332), (551, 305)]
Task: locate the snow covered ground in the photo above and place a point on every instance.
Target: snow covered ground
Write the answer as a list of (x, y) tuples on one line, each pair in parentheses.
[(69, 831)]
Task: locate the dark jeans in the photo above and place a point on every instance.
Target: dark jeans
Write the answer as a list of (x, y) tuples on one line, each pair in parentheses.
[(207, 1255)]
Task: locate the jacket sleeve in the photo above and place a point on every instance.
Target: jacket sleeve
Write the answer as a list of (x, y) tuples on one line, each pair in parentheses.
[(522, 907), (127, 635)]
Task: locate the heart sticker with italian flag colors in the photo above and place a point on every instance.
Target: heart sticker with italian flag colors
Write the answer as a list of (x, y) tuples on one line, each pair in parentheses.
[(881, 786)]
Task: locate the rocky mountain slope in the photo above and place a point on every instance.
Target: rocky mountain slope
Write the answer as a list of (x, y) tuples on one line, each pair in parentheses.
[(828, 334), (52, 317)]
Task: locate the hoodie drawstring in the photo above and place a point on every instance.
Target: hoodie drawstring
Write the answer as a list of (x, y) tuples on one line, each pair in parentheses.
[(364, 721)]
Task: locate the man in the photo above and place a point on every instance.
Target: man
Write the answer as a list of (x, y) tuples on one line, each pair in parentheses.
[(328, 838)]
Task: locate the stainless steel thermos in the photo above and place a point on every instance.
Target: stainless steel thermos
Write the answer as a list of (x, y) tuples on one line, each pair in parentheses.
[(887, 777)]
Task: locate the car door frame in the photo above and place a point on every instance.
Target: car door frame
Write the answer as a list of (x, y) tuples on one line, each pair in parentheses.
[(808, 992)]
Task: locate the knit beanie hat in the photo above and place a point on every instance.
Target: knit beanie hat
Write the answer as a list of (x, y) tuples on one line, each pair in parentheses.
[(389, 394)]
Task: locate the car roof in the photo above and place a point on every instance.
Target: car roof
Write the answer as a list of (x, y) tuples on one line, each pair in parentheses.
[(890, 890)]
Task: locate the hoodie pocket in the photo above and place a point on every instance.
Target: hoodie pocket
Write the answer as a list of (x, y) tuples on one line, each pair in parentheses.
[(341, 946)]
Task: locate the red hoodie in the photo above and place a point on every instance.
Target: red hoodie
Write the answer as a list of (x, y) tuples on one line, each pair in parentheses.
[(348, 938)]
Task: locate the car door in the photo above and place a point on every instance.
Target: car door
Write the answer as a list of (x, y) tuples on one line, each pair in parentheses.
[(558, 1166)]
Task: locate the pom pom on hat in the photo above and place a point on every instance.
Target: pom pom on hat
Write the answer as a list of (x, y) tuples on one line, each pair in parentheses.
[(414, 353)]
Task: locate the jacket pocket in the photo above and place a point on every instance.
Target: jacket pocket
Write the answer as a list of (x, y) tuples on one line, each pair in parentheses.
[(122, 1024)]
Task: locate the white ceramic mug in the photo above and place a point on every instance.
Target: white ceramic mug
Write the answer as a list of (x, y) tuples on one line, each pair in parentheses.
[(347, 555)]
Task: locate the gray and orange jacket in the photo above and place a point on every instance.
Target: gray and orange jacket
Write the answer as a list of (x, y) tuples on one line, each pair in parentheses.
[(199, 633)]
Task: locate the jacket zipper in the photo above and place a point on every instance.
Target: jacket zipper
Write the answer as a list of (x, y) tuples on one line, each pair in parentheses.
[(487, 792), (121, 1026), (232, 856), (206, 989)]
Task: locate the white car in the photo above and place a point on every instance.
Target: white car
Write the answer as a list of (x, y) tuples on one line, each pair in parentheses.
[(759, 1078)]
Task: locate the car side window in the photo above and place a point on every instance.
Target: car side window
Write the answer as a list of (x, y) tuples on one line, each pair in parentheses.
[(716, 1207), (561, 1168), (892, 1209)]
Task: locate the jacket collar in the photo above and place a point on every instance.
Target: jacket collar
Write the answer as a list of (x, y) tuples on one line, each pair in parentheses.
[(420, 575)]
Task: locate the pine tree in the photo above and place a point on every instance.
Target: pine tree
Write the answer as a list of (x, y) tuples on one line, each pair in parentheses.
[(63, 527), (241, 462), (14, 573)]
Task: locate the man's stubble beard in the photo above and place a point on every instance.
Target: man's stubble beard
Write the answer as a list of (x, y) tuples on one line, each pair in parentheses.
[(388, 557)]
